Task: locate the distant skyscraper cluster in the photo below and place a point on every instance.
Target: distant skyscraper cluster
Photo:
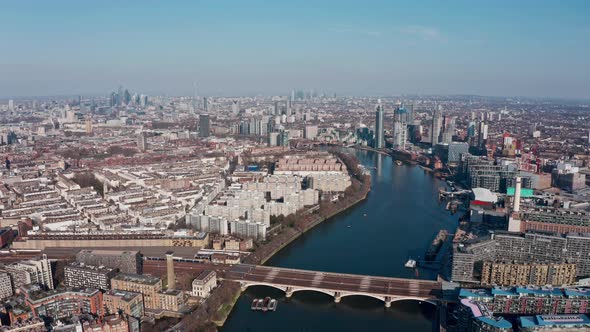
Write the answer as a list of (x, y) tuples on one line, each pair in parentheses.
[(124, 98)]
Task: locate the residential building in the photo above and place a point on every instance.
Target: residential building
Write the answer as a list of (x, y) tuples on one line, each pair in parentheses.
[(171, 300), (33, 271), (129, 303), (88, 276), (5, 286), (65, 302), (511, 274), (123, 260), (379, 130), (148, 286)]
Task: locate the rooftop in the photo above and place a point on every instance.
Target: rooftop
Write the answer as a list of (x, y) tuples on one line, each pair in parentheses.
[(137, 278)]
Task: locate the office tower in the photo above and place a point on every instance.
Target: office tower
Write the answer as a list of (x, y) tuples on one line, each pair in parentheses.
[(449, 129), (283, 139), (205, 104), (88, 125), (483, 134), (400, 127), (120, 96), (289, 107), (235, 108), (379, 139), (277, 109), (410, 113), (113, 100), (436, 125), (126, 97), (471, 129), (204, 125), (142, 142), (292, 95), (11, 105)]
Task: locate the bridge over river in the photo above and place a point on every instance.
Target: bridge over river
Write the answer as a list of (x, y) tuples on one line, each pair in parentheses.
[(337, 285)]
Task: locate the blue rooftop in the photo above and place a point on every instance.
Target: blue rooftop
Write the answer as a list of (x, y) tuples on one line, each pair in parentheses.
[(474, 293), (504, 292), (540, 291), (554, 320), (497, 322), (580, 292)]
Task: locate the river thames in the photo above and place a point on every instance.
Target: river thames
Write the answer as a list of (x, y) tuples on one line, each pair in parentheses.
[(398, 220)]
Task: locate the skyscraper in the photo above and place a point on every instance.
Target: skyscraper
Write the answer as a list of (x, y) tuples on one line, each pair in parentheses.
[(483, 135), (204, 125), (120, 95), (142, 142), (400, 127), (379, 139), (235, 108), (410, 113), (289, 111), (449, 129), (436, 124), (205, 104)]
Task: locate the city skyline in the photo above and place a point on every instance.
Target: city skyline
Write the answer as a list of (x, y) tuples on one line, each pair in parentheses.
[(533, 49)]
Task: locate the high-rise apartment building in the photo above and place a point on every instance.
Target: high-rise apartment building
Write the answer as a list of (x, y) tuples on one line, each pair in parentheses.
[(88, 276), (379, 131), (436, 125), (204, 129), (34, 271)]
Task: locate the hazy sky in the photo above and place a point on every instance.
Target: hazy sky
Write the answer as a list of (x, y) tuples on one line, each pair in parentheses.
[(523, 48)]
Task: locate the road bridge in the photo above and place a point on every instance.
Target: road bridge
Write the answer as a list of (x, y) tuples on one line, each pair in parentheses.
[(337, 285)]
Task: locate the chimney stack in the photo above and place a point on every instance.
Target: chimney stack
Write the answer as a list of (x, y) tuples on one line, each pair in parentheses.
[(170, 270)]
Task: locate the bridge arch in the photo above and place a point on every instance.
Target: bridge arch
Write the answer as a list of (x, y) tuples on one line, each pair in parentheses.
[(380, 298), (294, 290), (250, 284), (409, 298)]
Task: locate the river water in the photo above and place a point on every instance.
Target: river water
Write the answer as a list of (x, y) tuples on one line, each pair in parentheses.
[(399, 220)]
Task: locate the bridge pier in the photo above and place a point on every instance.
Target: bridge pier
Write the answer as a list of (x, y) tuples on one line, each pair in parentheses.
[(387, 302), (337, 297)]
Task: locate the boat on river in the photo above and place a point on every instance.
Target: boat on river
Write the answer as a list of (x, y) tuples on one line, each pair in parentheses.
[(265, 304), (272, 306), (259, 304), (410, 264), (254, 304), (398, 162)]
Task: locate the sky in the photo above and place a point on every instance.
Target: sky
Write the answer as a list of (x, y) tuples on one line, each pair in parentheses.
[(537, 48)]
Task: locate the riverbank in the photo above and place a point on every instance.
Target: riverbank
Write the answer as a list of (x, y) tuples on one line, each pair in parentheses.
[(312, 225), (365, 186), (226, 308), (366, 148), (399, 219)]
